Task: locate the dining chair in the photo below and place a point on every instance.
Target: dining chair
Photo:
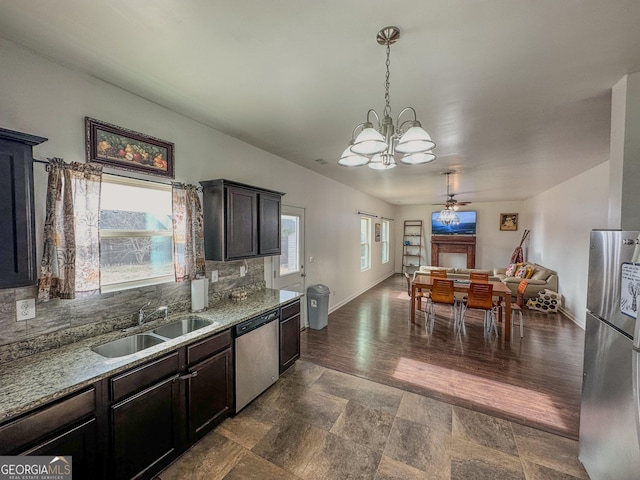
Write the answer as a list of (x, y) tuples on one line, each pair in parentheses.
[(419, 294), (438, 273), (480, 298), (518, 305), (478, 277), (441, 292)]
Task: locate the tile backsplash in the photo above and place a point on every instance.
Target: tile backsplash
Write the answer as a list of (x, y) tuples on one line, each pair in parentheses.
[(60, 322)]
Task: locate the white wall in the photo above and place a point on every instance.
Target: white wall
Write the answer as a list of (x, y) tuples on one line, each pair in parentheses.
[(561, 219), (43, 98), (493, 248)]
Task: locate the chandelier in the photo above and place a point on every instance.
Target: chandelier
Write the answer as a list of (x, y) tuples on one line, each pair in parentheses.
[(377, 145), (448, 215)]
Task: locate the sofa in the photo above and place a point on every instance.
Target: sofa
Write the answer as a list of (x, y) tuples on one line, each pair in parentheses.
[(540, 278), (456, 273)]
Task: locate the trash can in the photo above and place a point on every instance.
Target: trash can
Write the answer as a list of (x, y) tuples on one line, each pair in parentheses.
[(318, 306)]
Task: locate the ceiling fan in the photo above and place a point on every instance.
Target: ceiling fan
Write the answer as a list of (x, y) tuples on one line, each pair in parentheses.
[(451, 203)]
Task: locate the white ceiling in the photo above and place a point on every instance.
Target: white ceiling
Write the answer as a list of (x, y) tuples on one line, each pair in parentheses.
[(516, 94)]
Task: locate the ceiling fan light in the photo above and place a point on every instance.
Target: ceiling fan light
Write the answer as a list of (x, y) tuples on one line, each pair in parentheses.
[(448, 217), (415, 140), (418, 158), (352, 159), (369, 142)]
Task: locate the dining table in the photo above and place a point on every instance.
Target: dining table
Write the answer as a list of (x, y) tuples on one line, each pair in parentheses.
[(424, 281)]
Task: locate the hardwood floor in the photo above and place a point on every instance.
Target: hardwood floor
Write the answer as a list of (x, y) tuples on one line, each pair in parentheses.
[(535, 381)]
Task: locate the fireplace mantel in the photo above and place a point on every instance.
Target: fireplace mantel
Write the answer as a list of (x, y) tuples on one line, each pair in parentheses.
[(453, 244)]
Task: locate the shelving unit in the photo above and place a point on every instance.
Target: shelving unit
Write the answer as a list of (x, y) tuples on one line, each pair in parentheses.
[(411, 246)]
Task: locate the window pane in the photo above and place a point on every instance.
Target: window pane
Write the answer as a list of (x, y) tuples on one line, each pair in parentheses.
[(127, 207), (365, 239), (136, 243), (385, 241), (290, 241), (127, 259)]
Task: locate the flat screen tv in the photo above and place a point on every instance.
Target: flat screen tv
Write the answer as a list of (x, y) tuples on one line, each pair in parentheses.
[(467, 225)]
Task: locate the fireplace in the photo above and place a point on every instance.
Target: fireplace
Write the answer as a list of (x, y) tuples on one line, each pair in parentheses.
[(453, 244)]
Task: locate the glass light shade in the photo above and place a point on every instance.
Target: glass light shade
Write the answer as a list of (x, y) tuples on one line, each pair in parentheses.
[(414, 140), (377, 163), (448, 217), (369, 142), (351, 159), (418, 158)]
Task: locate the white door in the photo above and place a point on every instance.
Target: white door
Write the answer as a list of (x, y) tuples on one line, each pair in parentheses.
[(288, 268)]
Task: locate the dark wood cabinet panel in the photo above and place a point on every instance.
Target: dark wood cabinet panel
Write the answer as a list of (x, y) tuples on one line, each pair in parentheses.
[(17, 235), (79, 443), (289, 335), (144, 376), (19, 434), (145, 431), (240, 221), (210, 393), (269, 224)]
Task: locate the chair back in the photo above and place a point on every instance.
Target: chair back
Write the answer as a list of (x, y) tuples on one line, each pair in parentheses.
[(442, 291), (406, 275), (480, 296), (438, 273), (522, 286), (478, 277)]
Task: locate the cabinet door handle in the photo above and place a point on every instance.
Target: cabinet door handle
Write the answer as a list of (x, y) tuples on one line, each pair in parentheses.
[(188, 375)]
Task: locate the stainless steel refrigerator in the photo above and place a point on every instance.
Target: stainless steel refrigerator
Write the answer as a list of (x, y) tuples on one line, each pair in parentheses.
[(609, 414)]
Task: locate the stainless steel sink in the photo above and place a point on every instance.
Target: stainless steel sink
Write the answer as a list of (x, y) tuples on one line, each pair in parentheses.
[(127, 345), (181, 327)]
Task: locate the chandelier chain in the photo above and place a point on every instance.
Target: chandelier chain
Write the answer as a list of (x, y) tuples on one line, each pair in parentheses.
[(387, 107)]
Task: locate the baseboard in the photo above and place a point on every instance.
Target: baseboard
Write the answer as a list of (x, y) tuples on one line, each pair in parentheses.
[(357, 294), (570, 316)]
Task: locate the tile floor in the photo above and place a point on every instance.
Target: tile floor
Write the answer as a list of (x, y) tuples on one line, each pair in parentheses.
[(316, 423)]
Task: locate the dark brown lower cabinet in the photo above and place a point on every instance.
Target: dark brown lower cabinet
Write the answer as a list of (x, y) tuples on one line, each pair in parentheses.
[(64, 428), (79, 443), (145, 430), (210, 394), (289, 335)]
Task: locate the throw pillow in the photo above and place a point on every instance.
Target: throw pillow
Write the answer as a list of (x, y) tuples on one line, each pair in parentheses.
[(522, 272), (530, 271), (511, 270)]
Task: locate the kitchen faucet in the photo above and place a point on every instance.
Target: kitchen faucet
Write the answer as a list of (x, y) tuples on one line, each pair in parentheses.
[(141, 314)]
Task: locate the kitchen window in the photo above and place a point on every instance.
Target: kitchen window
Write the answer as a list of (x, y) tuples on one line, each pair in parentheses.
[(385, 241), (136, 233), (365, 244)]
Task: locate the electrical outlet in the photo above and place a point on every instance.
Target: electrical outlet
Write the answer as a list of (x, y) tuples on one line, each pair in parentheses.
[(214, 276), (25, 309), (312, 259), (243, 271)]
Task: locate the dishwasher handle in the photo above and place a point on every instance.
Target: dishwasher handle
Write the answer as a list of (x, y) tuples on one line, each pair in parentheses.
[(256, 322)]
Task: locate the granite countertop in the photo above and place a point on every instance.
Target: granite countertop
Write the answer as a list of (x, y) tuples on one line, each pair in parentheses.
[(30, 382)]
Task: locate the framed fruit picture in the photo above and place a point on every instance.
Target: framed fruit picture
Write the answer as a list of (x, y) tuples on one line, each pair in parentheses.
[(122, 148)]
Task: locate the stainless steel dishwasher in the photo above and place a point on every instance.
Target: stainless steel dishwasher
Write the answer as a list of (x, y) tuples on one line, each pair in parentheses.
[(257, 354)]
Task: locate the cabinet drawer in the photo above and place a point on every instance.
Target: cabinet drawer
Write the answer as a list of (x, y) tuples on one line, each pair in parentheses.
[(143, 376), (208, 346), (20, 433), (290, 310)]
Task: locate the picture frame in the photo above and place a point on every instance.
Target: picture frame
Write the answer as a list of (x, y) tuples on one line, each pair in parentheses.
[(377, 232), (509, 222), (122, 148)]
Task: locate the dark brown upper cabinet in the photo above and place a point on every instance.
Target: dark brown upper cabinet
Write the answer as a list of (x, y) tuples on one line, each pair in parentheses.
[(240, 221), (17, 235)]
